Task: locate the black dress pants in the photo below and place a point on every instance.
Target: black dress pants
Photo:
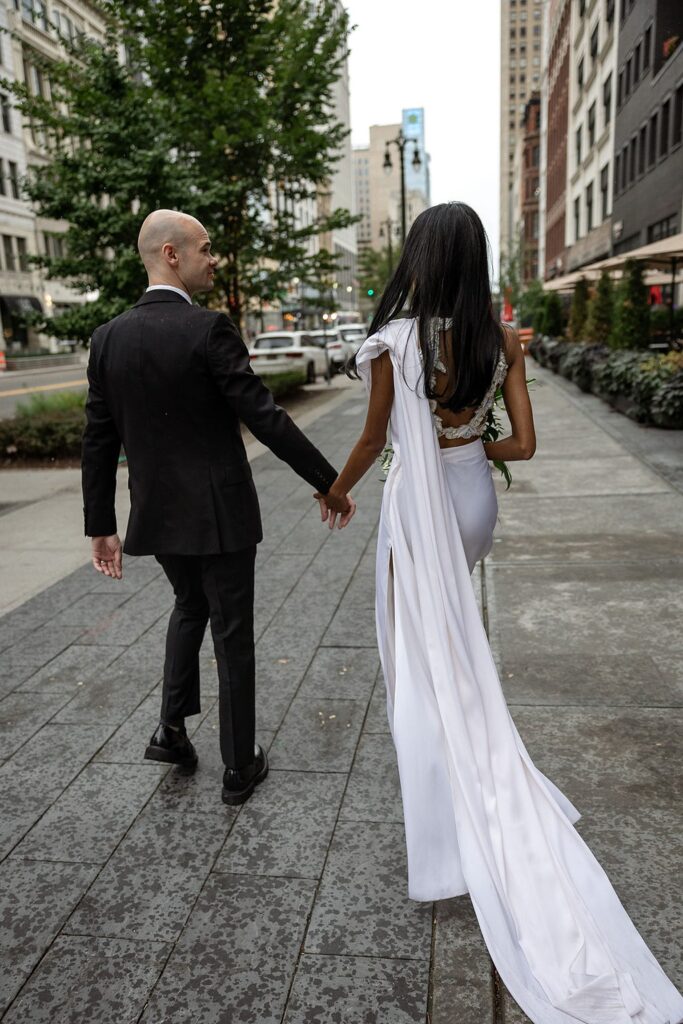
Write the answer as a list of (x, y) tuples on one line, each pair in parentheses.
[(219, 589)]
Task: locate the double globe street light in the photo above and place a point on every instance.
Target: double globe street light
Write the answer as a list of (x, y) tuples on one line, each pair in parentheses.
[(401, 142)]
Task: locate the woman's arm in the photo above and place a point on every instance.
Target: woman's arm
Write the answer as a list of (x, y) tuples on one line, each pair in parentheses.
[(373, 438), (521, 444)]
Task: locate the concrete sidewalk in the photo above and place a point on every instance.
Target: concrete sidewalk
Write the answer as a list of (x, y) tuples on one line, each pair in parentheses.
[(131, 893)]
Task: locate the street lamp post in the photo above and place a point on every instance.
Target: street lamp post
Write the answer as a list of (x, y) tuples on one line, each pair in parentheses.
[(400, 142), (389, 224)]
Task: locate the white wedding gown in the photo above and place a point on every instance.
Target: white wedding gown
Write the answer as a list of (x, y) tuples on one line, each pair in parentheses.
[(480, 818)]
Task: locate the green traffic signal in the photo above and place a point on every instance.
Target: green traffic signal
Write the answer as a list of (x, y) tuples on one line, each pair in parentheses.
[(371, 292)]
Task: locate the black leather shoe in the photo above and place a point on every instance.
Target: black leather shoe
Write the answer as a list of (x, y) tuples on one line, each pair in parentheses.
[(239, 783), (172, 747)]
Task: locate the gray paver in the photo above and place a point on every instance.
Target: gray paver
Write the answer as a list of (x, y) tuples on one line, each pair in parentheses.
[(93, 813), (341, 672), (362, 907), (374, 789), (85, 979), (318, 735), (71, 669), (285, 828), (462, 968), (353, 990), (265, 916), (23, 714), (215, 986), (35, 900)]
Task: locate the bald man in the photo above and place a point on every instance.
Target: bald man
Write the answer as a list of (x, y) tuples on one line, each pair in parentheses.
[(171, 382)]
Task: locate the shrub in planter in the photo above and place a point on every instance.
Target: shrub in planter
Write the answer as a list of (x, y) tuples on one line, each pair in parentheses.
[(556, 348), (552, 317), (43, 435), (613, 379), (580, 361), (579, 310), (600, 319), (631, 328), (666, 409)]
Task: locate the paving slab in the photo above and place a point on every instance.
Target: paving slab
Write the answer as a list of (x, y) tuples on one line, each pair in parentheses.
[(355, 990), (85, 979)]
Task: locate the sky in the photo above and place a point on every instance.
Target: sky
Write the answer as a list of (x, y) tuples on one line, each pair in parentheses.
[(443, 55)]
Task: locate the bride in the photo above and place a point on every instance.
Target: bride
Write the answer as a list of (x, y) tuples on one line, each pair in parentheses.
[(480, 818)]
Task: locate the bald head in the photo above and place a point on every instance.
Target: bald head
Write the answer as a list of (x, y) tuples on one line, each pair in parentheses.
[(176, 250), (165, 227)]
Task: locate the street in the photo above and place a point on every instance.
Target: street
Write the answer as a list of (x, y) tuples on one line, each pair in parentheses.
[(133, 889), (19, 385)]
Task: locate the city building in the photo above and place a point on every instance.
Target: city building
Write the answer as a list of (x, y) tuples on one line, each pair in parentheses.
[(417, 178), (554, 128), (521, 54), (526, 189), (36, 27), (648, 138), (592, 78), (361, 175)]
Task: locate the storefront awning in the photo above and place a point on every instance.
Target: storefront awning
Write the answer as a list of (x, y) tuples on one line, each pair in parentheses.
[(18, 305)]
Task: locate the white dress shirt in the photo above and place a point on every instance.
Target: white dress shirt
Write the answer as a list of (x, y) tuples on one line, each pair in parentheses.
[(170, 288)]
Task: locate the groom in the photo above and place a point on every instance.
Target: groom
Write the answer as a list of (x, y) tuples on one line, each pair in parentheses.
[(171, 382)]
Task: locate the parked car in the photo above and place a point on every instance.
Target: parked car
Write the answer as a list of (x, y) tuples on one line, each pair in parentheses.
[(354, 335), (338, 349), (280, 351)]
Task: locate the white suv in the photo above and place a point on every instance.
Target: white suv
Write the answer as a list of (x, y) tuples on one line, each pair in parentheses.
[(338, 349), (279, 351)]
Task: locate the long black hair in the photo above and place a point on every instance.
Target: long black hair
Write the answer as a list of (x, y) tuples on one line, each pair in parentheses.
[(444, 268)]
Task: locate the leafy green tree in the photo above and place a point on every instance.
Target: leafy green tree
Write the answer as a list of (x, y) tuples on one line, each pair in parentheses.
[(552, 318), (223, 110), (600, 319), (374, 271), (631, 324), (579, 310), (510, 283)]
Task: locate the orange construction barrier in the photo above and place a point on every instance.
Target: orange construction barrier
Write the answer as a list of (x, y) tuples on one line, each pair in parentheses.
[(3, 360)]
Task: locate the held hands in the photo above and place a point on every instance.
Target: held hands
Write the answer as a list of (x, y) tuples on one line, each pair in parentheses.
[(334, 505), (106, 556)]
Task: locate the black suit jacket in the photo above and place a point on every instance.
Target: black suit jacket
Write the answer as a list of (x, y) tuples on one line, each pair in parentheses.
[(171, 382)]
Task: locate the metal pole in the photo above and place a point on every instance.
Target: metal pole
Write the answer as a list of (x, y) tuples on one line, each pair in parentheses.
[(390, 225)]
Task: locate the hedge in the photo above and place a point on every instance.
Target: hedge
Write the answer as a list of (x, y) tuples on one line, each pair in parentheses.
[(51, 427), (648, 388)]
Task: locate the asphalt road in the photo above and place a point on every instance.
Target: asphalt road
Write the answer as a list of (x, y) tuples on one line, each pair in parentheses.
[(18, 385)]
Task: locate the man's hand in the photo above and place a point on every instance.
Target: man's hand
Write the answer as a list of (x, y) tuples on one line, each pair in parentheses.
[(332, 507), (106, 556)]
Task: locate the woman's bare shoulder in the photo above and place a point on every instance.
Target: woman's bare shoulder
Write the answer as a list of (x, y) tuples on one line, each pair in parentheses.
[(512, 346)]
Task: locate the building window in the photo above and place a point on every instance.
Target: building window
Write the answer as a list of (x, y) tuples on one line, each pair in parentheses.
[(662, 229), (589, 207), (624, 168), (632, 167), (23, 254), (678, 117), (595, 41), (34, 11), (636, 64), (8, 247), (591, 126), (653, 140), (627, 78), (642, 147), (3, 187), (664, 137), (607, 100), (582, 8), (609, 11), (647, 47), (604, 192), (5, 113), (577, 219), (13, 179), (620, 89), (617, 168), (578, 146), (580, 74)]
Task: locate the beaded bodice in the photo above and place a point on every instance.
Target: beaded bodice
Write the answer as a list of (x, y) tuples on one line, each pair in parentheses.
[(474, 426)]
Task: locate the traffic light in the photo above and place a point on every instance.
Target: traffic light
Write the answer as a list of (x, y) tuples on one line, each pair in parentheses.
[(371, 292)]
